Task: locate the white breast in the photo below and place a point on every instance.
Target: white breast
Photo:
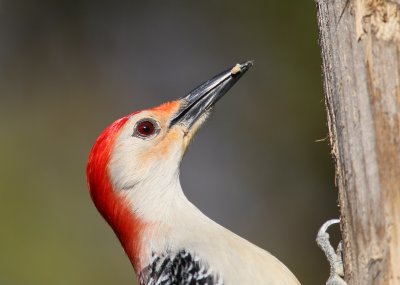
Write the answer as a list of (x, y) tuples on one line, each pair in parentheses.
[(237, 261)]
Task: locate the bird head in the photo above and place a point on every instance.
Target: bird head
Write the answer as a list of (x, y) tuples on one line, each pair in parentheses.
[(138, 156)]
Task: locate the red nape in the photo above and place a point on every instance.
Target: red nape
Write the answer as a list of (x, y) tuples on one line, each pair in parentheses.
[(107, 200)]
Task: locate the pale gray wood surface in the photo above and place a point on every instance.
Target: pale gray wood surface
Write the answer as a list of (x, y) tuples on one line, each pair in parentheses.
[(360, 44)]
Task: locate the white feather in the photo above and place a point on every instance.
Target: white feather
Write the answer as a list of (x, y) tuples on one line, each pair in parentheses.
[(152, 189)]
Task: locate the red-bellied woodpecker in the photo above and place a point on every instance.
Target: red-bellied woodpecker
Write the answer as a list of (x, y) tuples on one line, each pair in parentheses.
[(133, 177)]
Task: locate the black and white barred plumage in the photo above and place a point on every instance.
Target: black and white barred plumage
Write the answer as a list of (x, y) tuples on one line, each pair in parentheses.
[(182, 268)]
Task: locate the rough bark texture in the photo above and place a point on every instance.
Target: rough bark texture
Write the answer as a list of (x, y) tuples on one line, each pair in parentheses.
[(360, 42)]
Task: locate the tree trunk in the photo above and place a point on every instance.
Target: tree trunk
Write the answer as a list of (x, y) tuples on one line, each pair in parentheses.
[(360, 43)]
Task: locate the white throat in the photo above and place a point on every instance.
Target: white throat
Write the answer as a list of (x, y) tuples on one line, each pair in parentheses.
[(160, 201)]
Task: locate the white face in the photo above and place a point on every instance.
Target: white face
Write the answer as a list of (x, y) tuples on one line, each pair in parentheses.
[(147, 151)]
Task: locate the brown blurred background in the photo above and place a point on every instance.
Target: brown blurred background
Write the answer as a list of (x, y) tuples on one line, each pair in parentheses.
[(69, 68)]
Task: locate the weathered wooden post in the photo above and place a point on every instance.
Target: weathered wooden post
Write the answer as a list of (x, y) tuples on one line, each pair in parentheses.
[(360, 46)]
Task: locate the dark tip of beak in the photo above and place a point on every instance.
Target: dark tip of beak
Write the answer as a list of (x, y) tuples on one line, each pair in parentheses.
[(204, 97)]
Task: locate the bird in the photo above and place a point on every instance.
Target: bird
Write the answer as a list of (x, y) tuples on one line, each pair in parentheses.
[(133, 179)]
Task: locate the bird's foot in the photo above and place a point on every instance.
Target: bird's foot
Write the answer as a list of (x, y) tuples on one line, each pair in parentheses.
[(334, 257)]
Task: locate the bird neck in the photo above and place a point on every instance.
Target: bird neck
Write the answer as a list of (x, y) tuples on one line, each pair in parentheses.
[(156, 201), (156, 208)]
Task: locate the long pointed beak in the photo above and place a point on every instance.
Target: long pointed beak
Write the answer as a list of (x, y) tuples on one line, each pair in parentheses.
[(203, 98)]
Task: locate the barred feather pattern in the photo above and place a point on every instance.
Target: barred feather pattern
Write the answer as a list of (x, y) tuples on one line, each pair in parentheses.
[(181, 268)]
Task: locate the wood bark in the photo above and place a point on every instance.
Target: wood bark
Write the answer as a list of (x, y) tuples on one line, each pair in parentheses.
[(360, 46)]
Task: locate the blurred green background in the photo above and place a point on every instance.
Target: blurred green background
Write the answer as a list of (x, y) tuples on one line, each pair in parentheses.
[(69, 68)]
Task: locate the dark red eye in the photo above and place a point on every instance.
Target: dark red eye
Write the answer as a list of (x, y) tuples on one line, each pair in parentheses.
[(145, 128)]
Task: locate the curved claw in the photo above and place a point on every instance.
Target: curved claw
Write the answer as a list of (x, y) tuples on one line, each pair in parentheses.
[(334, 257), (326, 225)]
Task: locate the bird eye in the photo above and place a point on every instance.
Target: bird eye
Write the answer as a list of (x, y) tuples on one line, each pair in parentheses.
[(145, 128)]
